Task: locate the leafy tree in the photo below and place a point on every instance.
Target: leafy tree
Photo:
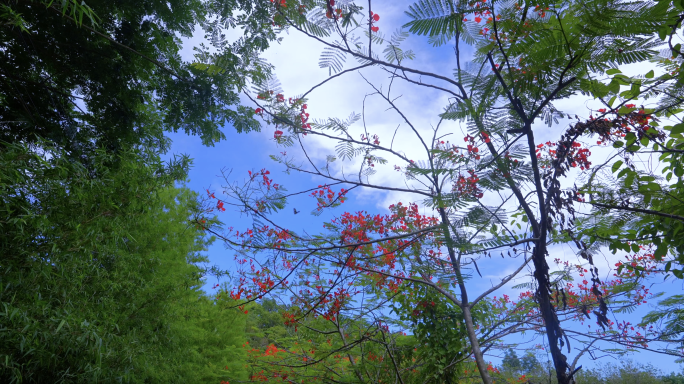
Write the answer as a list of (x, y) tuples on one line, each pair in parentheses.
[(640, 207), (529, 363), (284, 351), (511, 362), (99, 274), (628, 372), (496, 191), (667, 320), (100, 281), (673, 378), (110, 75)]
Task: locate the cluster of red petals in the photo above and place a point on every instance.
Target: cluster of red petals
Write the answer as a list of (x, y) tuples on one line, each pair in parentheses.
[(468, 185), (264, 95), (541, 11), (280, 99), (575, 155), (272, 350), (472, 147), (485, 137), (373, 18), (326, 197), (265, 180), (219, 203), (422, 304), (333, 14), (639, 120), (376, 139)]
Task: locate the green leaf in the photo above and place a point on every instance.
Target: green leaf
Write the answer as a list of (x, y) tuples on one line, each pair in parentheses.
[(663, 32), (679, 128), (618, 144), (629, 179), (660, 251), (613, 71), (61, 324), (624, 110), (650, 74), (617, 165), (678, 171), (612, 100), (614, 86)]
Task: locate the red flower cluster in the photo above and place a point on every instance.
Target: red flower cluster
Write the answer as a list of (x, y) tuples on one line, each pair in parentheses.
[(272, 350), (468, 185), (333, 14), (282, 3), (373, 18), (424, 304), (485, 137), (482, 10), (472, 148), (278, 102), (304, 116), (335, 301), (219, 204), (265, 180), (637, 121), (325, 197), (541, 11), (264, 95), (376, 139), (290, 318), (576, 155)]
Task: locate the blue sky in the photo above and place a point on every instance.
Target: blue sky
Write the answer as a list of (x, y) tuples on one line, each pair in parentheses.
[(296, 61)]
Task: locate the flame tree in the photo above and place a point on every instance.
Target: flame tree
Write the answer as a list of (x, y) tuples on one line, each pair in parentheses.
[(497, 191)]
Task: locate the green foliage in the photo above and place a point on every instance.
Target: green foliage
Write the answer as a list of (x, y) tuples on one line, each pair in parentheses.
[(119, 80), (438, 331), (673, 378), (628, 372), (511, 362), (527, 58), (98, 280), (668, 316), (303, 352), (527, 368), (435, 18)]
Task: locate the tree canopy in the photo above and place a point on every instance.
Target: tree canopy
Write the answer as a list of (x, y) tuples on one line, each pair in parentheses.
[(493, 189), (105, 250), (102, 269), (110, 74)]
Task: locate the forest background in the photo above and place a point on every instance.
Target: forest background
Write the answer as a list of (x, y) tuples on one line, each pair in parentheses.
[(104, 254)]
